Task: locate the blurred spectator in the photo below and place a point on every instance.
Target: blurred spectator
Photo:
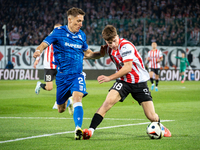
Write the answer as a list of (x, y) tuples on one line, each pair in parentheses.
[(28, 22), (194, 36)]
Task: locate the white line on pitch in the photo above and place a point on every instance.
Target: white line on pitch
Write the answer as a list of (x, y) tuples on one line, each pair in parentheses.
[(45, 135), (61, 118)]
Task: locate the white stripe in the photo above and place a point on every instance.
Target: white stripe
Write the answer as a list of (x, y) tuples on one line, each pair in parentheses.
[(46, 135), (126, 125), (77, 104), (37, 136), (62, 118)]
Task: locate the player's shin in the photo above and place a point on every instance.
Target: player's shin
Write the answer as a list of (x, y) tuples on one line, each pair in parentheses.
[(96, 120), (43, 85), (78, 114)]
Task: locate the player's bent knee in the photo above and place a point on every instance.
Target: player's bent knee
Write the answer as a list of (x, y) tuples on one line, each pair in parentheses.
[(49, 88), (61, 110)]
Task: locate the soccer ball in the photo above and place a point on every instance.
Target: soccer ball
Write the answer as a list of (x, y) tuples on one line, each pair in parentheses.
[(155, 130)]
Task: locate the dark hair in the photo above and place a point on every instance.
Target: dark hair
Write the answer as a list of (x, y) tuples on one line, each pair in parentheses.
[(75, 12), (109, 32)]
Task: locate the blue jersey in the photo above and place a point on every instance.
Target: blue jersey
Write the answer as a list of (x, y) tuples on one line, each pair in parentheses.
[(68, 49)]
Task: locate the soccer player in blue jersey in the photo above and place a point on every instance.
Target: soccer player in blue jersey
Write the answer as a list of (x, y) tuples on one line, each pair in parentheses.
[(70, 47)]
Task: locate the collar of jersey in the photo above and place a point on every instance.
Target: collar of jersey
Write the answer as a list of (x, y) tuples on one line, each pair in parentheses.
[(70, 31)]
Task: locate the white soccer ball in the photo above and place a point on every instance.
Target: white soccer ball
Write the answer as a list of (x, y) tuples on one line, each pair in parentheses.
[(155, 130)]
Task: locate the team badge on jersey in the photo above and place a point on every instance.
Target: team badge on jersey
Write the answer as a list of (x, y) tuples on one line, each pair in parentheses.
[(80, 36)]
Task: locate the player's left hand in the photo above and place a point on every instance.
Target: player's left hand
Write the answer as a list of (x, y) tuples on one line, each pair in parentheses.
[(35, 63), (102, 79)]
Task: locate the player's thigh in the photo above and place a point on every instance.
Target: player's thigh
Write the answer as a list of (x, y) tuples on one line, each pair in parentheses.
[(112, 98), (151, 74)]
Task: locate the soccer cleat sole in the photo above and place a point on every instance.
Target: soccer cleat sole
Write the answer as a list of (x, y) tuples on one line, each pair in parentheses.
[(78, 134), (37, 88)]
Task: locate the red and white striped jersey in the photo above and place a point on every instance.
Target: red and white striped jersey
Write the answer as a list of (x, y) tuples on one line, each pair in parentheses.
[(49, 58), (127, 52), (153, 56)]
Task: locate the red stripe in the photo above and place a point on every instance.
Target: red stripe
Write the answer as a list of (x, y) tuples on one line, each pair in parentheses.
[(128, 60), (47, 53), (51, 57), (124, 44), (136, 52), (134, 64), (136, 76), (129, 79)]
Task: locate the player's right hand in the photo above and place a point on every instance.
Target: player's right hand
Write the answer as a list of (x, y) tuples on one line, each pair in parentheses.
[(36, 54), (103, 49), (102, 79)]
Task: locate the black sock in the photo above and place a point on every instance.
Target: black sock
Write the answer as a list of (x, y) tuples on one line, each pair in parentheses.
[(157, 82), (151, 79), (96, 120), (42, 85), (158, 119)]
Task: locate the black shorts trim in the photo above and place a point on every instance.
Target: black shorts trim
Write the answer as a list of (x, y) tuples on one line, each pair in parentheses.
[(49, 74), (140, 91)]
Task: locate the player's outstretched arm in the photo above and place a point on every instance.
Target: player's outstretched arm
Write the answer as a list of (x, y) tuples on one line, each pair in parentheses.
[(89, 54), (123, 71), (39, 49)]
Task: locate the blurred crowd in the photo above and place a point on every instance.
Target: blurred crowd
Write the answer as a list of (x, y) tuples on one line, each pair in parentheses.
[(167, 22)]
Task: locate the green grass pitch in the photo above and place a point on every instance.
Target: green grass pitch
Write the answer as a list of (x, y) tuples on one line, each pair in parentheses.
[(27, 120)]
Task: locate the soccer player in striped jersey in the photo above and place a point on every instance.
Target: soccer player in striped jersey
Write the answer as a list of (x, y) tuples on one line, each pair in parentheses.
[(154, 57), (70, 47), (131, 78)]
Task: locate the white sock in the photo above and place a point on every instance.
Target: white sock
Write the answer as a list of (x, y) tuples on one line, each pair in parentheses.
[(91, 129)]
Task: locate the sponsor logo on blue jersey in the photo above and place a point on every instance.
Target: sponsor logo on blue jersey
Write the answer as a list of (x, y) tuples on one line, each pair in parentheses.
[(73, 45)]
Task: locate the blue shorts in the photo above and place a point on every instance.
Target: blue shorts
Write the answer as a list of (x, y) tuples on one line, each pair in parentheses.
[(67, 84)]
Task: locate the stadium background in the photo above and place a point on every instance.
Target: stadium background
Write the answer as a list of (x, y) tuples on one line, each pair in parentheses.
[(174, 25)]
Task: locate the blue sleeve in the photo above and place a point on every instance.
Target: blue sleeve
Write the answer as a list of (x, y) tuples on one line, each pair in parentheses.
[(52, 37)]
